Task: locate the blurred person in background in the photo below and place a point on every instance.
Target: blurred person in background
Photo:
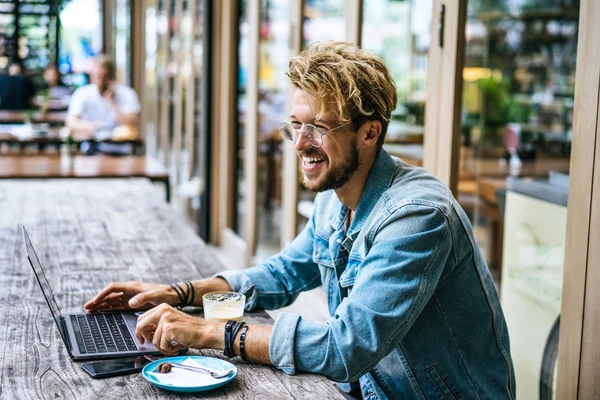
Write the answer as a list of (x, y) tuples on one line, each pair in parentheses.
[(97, 109), (56, 88), (16, 89)]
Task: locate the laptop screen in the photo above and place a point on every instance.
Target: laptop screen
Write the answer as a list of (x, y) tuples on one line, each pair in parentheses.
[(44, 285)]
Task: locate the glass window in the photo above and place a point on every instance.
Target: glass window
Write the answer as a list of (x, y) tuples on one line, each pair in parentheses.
[(517, 116), (150, 100), (272, 91), (399, 33), (80, 39), (122, 39), (324, 20), (241, 104), (194, 159)]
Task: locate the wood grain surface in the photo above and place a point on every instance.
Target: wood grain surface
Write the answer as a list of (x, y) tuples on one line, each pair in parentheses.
[(88, 233), (18, 117), (97, 166)]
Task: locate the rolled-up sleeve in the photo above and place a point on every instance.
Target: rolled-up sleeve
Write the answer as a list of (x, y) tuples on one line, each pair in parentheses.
[(396, 280), (279, 281)]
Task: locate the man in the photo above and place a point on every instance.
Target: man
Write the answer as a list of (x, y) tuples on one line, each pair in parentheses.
[(56, 88), (96, 109), (414, 311)]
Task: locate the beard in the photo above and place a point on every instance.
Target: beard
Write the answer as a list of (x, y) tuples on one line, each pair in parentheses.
[(337, 176)]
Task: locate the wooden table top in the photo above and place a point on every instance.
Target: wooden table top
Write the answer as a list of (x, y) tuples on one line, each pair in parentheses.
[(53, 137), (97, 166), (53, 104), (18, 117), (495, 168), (88, 233), (472, 168)]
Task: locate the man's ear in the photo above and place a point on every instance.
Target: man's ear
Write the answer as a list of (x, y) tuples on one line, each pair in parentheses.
[(372, 132)]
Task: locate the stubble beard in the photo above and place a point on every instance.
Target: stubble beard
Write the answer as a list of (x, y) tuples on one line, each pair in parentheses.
[(337, 176)]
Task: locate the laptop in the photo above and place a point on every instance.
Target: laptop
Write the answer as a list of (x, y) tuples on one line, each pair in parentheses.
[(90, 336)]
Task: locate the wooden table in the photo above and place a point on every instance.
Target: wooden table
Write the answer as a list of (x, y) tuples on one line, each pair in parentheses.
[(88, 234), (494, 168), (53, 138), (98, 166), (475, 168), (53, 104), (18, 117)]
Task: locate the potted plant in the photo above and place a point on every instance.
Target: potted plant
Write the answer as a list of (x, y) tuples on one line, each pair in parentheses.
[(68, 151)]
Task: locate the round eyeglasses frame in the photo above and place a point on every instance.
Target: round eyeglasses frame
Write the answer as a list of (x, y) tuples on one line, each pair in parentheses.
[(311, 138)]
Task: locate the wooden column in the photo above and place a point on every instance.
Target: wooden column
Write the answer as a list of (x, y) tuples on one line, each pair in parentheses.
[(108, 45), (444, 90), (225, 128), (217, 223), (353, 10), (579, 353)]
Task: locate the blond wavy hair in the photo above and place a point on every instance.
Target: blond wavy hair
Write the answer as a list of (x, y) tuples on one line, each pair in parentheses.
[(354, 82)]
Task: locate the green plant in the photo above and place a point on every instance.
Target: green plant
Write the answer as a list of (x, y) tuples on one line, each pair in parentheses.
[(29, 116), (69, 140), (499, 107)]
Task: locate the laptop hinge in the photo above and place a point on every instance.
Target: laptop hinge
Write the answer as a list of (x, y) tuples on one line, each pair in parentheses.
[(65, 333)]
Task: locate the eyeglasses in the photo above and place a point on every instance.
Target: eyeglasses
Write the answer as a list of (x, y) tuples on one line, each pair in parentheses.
[(311, 132)]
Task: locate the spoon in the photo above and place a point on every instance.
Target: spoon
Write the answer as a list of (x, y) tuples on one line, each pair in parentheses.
[(214, 374)]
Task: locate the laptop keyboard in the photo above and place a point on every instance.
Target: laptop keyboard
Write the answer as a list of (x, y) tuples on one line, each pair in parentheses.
[(102, 333)]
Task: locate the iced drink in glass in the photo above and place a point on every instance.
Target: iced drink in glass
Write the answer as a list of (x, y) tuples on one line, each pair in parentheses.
[(223, 306)]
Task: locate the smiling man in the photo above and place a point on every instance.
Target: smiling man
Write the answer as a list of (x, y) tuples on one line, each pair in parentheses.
[(414, 311)]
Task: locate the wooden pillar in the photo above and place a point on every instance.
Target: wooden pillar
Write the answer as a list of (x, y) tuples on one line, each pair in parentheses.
[(353, 10), (108, 46), (578, 350), (444, 91)]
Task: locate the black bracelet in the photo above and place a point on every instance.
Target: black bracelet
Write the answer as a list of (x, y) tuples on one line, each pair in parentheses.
[(231, 332), (191, 294), (178, 289), (243, 343), (228, 351), (234, 331)]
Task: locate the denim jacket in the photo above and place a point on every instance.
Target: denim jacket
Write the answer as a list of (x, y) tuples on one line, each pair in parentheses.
[(414, 311)]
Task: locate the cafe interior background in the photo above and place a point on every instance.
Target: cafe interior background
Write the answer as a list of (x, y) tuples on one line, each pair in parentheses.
[(211, 80)]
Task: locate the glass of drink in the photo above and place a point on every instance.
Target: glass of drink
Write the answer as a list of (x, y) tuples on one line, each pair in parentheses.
[(223, 306)]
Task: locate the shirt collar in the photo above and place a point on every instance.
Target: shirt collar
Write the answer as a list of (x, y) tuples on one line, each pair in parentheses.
[(378, 181)]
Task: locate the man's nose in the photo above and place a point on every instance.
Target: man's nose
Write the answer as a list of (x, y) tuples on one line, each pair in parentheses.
[(302, 142)]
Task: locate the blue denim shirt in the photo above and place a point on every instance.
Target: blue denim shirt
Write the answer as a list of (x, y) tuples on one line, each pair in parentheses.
[(414, 310)]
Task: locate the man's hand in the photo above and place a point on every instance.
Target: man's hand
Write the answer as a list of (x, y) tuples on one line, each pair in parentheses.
[(142, 296), (109, 92), (170, 330), (131, 295)]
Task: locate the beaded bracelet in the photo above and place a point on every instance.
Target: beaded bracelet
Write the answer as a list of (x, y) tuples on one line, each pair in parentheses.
[(243, 343)]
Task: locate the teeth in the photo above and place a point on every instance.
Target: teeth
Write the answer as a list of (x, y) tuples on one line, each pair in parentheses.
[(311, 160)]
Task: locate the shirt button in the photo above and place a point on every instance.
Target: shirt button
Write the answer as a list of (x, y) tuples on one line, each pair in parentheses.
[(339, 240)]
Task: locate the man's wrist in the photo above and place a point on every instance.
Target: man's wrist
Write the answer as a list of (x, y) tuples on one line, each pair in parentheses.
[(214, 335), (204, 286)]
